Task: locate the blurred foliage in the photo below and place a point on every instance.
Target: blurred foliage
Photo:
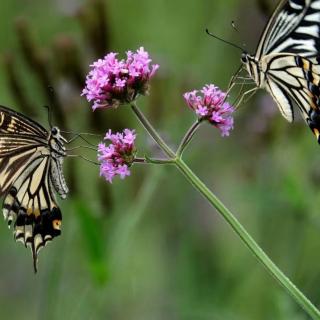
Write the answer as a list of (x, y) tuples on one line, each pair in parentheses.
[(150, 247)]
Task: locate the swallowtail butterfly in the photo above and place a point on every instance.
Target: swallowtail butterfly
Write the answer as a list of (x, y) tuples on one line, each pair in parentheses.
[(31, 161), (286, 62)]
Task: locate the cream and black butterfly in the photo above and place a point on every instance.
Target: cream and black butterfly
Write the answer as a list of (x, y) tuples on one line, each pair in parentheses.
[(31, 173), (286, 62)]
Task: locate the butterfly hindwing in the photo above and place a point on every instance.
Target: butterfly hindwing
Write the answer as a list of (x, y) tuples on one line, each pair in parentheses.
[(13, 164), (31, 204), (294, 78), (282, 100)]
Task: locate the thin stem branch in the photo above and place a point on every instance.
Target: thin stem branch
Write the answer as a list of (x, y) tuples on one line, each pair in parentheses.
[(140, 160), (187, 138), (153, 133), (148, 160)]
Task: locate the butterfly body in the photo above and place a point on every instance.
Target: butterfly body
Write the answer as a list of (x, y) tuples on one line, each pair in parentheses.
[(253, 67), (31, 160), (286, 62)]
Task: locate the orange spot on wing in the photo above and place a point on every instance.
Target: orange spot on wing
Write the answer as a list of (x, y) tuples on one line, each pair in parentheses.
[(316, 132), (306, 64), (56, 224)]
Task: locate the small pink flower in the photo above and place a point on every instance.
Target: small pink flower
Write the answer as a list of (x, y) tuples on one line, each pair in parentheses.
[(123, 171), (210, 105), (112, 82), (118, 156), (120, 83)]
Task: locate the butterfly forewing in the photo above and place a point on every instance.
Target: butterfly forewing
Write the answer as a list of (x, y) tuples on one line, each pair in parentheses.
[(30, 174), (11, 144), (16, 123), (294, 28)]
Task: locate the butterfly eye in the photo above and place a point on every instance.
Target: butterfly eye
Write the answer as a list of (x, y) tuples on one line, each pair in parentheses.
[(244, 57), (54, 131)]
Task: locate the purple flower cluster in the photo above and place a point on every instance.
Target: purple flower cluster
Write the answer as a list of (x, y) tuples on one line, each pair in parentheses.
[(117, 157), (112, 82), (211, 106)]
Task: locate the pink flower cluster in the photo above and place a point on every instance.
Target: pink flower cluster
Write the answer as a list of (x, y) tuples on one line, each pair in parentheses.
[(112, 82), (117, 157), (211, 106)]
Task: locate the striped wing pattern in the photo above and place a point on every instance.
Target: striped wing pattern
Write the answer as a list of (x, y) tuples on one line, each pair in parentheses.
[(29, 178), (20, 137), (15, 153), (293, 28), (16, 123), (286, 62), (291, 77), (31, 204)]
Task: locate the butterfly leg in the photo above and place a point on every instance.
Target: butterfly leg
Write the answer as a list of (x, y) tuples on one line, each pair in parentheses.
[(85, 147), (234, 78), (83, 158), (248, 94), (79, 136)]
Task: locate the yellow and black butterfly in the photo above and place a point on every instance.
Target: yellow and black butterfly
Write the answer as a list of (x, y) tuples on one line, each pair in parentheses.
[(286, 62), (31, 173)]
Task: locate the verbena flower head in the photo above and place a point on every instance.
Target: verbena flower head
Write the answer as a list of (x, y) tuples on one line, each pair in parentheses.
[(116, 158), (112, 82), (209, 104)]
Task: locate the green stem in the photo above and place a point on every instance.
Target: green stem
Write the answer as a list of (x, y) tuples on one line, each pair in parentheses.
[(297, 295), (187, 138), (148, 160), (300, 298)]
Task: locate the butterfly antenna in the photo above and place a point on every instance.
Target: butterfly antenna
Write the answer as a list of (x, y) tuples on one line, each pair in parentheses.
[(225, 41), (49, 111), (83, 133), (233, 24), (52, 101)]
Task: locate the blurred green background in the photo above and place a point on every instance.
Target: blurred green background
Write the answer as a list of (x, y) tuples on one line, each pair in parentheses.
[(150, 247)]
